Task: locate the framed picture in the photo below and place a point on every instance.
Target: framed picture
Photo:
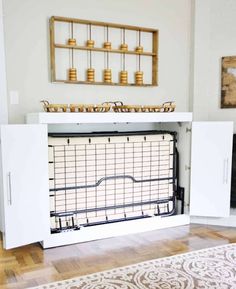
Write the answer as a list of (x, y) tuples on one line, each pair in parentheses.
[(228, 82)]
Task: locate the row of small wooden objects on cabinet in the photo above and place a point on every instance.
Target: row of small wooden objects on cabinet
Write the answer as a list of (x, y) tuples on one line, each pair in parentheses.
[(116, 106)]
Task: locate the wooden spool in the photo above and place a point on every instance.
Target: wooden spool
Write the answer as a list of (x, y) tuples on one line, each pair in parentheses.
[(123, 77), (90, 74), (139, 77), (124, 47), (107, 75), (90, 43), (107, 45), (72, 74), (71, 41), (139, 49)]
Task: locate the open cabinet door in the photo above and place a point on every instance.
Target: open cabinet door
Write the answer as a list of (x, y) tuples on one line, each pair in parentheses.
[(24, 184), (211, 169)]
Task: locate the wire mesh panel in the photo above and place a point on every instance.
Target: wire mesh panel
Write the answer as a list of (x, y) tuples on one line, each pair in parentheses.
[(102, 179)]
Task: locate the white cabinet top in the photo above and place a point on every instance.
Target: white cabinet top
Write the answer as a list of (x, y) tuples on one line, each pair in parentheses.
[(109, 117)]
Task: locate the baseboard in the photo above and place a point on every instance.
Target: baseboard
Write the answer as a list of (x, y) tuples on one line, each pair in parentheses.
[(228, 222), (115, 229)]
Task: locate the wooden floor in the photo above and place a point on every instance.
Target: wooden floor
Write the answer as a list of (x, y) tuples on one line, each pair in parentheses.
[(31, 265)]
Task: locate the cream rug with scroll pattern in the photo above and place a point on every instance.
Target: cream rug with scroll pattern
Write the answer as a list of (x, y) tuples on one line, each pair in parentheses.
[(209, 268)]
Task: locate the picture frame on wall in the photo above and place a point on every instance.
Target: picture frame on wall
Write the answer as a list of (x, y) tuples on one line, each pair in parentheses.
[(228, 82)]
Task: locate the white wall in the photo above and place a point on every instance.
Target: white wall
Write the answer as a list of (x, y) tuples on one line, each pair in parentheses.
[(27, 51), (215, 30), (3, 87)]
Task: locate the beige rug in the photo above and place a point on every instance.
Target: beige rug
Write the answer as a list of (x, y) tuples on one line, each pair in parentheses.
[(208, 268)]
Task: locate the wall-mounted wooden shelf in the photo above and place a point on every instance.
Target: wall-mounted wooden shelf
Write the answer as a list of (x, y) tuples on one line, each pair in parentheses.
[(59, 74)]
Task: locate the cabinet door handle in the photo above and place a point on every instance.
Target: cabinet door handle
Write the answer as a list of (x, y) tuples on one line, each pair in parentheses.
[(226, 171), (9, 191)]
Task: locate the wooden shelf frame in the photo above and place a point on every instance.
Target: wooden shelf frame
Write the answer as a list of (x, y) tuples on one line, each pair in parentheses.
[(100, 83), (66, 46), (53, 46)]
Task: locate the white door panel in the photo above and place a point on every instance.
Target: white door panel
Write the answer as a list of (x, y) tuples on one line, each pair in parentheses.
[(25, 184), (211, 168)]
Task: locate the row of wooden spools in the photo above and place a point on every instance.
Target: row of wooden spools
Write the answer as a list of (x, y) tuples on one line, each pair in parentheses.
[(106, 45), (107, 73), (107, 76)]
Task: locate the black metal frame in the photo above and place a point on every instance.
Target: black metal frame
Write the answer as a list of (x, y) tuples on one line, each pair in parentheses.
[(164, 206), (233, 175)]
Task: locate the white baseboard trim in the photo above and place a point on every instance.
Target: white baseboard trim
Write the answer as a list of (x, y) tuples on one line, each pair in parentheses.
[(115, 229), (228, 222)]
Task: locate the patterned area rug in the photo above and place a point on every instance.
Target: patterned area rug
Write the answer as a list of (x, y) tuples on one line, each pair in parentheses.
[(208, 268)]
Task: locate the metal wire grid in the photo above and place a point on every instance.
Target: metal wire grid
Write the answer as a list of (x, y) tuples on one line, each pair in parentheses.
[(96, 180)]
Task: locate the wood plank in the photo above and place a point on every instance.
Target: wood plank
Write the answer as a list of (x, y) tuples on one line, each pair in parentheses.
[(52, 49), (155, 58), (100, 83), (65, 46), (98, 23), (85, 258)]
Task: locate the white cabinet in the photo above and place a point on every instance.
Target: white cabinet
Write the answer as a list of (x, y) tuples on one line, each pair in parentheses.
[(211, 155), (24, 179), (25, 190)]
